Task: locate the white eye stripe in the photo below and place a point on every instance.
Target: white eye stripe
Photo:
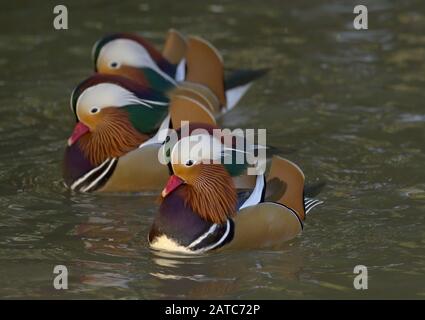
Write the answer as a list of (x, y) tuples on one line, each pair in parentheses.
[(131, 53), (126, 51), (108, 94), (197, 148), (139, 101), (158, 103)]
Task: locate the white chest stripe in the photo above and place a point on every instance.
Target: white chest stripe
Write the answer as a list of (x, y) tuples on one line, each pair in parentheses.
[(211, 230), (88, 175), (181, 71), (161, 134), (253, 199), (256, 194), (218, 242), (91, 185)]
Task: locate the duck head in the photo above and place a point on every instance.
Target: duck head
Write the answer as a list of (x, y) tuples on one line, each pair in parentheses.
[(200, 178), (133, 57), (114, 116)]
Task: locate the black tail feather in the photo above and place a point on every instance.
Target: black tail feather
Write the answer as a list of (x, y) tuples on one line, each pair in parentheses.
[(272, 150), (312, 190), (238, 78)]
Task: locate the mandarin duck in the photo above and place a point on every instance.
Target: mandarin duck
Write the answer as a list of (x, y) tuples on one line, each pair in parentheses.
[(115, 144), (201, 209), (117, 122), (183, 59)]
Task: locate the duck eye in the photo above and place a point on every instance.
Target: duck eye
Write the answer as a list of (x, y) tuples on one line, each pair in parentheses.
[(94, 110), (114, 64), (189, 163)]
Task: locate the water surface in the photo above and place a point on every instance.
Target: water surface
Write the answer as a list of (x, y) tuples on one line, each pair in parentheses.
[(349, 103)]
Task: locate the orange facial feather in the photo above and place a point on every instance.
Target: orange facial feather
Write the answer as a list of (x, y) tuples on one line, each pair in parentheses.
[(113, 136), (212, 193)]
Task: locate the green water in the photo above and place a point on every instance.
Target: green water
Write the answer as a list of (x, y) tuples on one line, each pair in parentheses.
[(349, 103)]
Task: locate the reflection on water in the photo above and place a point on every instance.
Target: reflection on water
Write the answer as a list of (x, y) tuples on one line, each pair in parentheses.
[(347, 106)]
